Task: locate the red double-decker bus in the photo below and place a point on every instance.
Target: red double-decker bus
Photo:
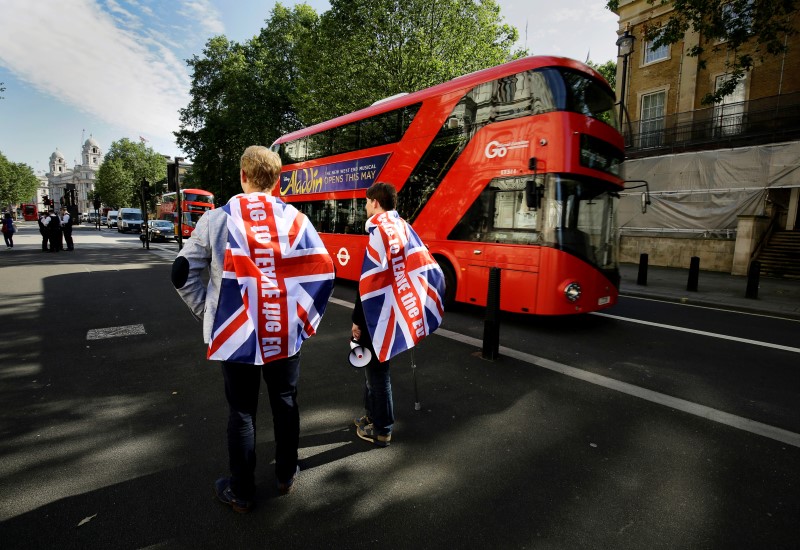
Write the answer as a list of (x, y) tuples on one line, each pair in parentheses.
[(194, 203), (30, 212), (515, 167)]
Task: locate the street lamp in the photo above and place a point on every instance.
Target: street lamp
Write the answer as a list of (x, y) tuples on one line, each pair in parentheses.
[(624, 50)]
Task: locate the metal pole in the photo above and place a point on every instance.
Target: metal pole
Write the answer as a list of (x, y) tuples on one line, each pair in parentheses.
[(178, 201), (491, 326), (622, 91), (753, 275), (417, 405), (146, 228), (694, 274), (642, 276)]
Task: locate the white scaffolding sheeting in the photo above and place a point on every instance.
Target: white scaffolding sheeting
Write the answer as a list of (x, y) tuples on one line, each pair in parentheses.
[(704, 192)]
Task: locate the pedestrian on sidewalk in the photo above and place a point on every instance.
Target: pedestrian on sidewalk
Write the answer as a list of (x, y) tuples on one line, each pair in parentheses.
[(53, 227), (66, 228), (244, 308), (394, 251), (43, 231), (8, 229)]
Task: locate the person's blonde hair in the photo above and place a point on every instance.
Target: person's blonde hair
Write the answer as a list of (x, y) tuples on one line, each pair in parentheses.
[(261, 166)]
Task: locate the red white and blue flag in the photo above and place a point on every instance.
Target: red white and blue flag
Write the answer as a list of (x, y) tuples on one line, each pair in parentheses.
[(276, 282), (401, 286)]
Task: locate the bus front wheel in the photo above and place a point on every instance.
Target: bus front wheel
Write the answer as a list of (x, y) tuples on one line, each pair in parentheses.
[(449, 284)]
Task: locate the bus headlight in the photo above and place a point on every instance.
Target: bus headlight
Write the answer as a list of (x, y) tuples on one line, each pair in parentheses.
[(573, 292)]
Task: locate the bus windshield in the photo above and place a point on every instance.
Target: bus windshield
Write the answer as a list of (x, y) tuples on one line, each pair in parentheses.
[(575, 92), (562, 212), (196, 197)]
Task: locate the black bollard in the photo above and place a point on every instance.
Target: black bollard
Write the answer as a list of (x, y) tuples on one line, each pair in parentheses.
[(694, 274), (641, 279), (752, 280), (491, 326)]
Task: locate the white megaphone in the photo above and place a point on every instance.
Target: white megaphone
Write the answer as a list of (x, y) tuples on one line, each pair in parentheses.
[(360, 355)]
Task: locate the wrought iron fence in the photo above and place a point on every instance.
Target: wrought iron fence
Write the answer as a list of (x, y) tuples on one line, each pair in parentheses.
[(765, 120)]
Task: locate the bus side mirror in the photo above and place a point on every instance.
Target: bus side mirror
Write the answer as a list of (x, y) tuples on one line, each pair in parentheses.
[(533, 195)]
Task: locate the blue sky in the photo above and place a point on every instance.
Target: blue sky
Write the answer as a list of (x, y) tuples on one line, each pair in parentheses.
[(116, 68)]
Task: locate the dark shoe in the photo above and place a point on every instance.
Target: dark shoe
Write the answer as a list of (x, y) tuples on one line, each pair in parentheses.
[(222, 488), (362, 422), (285, 487), (368, 433)]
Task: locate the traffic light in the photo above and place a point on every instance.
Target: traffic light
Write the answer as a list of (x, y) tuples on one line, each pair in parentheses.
[(146, 193), (45, 200), (172, 177)]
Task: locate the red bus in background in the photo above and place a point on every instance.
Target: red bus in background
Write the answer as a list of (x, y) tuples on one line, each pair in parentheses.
[(30, 212), (194, 203), (516, 167)]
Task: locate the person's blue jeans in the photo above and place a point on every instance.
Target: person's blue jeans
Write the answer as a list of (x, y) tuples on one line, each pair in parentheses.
[(242, 383), (378, 395)]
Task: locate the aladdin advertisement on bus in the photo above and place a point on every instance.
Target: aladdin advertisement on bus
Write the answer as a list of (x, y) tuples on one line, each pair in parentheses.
[(338, 176)]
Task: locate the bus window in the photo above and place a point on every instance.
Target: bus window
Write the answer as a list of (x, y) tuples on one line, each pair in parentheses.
[(344, 139), (346, 216), (500, 214)]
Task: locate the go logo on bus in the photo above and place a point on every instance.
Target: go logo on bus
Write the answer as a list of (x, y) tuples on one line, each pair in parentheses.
[(497, 149)]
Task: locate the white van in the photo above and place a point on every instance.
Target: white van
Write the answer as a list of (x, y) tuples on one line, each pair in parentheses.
[(111, 218), (129, 219)]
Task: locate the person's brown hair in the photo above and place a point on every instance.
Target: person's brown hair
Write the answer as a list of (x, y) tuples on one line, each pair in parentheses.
[(384, 193)]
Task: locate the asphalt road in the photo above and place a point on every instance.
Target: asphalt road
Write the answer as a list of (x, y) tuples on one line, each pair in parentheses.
[(601, 431)]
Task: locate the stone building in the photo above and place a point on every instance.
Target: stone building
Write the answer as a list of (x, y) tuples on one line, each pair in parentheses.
[(81, 176), (724, 178)]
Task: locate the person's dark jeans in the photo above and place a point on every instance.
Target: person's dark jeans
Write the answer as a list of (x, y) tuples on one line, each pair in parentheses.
[(68, 238), (378, 395), (241, 390)]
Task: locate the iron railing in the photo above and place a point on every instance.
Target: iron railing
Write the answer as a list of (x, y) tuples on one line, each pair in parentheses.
[(765, 120)]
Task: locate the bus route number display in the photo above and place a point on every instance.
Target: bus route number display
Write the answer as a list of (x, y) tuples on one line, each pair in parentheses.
[(337, 176)]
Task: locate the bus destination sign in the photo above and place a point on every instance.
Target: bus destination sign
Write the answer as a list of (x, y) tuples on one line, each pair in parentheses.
[(338, 176)]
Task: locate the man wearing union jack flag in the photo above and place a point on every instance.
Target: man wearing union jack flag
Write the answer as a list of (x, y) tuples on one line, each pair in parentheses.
[(399, 303), (270, 279)]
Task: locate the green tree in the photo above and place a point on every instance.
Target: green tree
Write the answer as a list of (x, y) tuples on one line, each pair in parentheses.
[(303, 68), (747, 30), (608, 70), (242, 94), (124, 165), (17, 182), (366, 50)]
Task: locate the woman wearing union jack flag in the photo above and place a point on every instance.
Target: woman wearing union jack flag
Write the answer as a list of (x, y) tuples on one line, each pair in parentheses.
[(270, 278)]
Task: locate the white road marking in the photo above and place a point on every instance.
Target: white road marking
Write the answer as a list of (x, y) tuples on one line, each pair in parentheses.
[(115, 332), (721, 417), (701, 332), (628, 296)]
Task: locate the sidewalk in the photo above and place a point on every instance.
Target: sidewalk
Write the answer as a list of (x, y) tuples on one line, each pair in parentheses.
[(779, 297)]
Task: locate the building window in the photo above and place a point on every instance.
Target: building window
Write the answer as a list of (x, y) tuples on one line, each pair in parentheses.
[(729, 113), (651, 121), (654, 53)]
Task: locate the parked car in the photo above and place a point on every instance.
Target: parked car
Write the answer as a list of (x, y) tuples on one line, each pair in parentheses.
[(111, 218), (129, 219), (103, 220), (160, 230)]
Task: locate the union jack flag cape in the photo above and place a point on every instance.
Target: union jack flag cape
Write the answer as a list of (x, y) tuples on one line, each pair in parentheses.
[(401, 286), (277, 279)]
